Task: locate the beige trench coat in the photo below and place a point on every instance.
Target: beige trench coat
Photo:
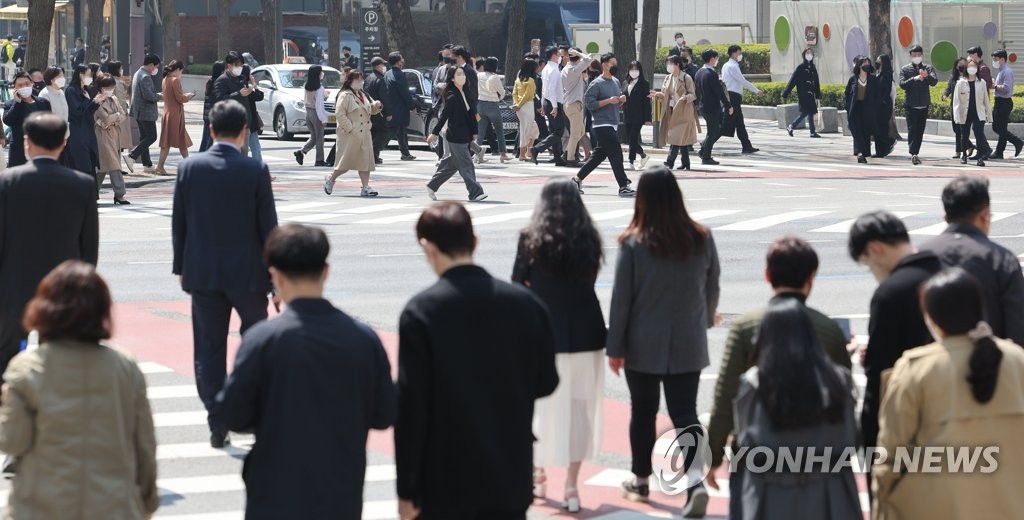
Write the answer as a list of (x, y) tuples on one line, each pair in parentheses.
[(77, 417), (355, 145), (679, 126), (111, 125)]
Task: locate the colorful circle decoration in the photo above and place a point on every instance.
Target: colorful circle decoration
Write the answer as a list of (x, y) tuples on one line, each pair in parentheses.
[(989, 30), (1012, 57), (826, 31), (906, 31), (593, 48), (783, 33), (856, 44), (944, 56)]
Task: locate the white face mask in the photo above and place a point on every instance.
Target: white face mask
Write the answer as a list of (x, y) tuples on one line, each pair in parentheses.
[(996, 64), (808, 56), (357, 85), (634, 74), (916, 60), (671, 68), (86, 81), (153, 72), (60, 82), (972, 70), (236, 71), (108, 92), (25, 92), (680, 41), (739, 58)]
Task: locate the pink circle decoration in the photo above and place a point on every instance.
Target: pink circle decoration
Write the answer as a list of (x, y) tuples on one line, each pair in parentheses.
[(856, 44), (1012, 57), (989, 30)]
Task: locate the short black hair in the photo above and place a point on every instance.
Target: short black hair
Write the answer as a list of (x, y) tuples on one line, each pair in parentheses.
[(491, 64), (151, 59), (549, 52), (297, 251), (975, 50), (964, 197), (228, 118), (606, 57), (232, 58), (33, 70), (19, 75), (79, 39), (734, 49), (916, 48), (880, 226), (447, 46), (461, 52), (45, 129), (708, 55), (791, 262), (377, 60), (678, 35), (687, 50), (448, 226), (51, 74), (346, 48), (394, 58), (1000, 53)]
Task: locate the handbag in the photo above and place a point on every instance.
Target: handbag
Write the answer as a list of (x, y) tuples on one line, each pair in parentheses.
[(819, 121)]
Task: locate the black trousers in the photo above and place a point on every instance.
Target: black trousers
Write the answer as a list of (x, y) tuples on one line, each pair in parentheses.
[(645, 397), (737, 117), (211, 315), (713, 125), (489, 514), (673, 152), (400, 133), (979, 137), (860, 127), (542, 124), (380, 139), (608, 149), (635, 149), (1000, 122), (147, 136), (556, 125), (916, 120)]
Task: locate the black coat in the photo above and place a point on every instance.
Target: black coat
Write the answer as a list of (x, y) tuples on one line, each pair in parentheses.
[(223, 212), (230, 87), (15, 115), (896, 325), (315, 374), (82, 148), (397, 98), (808, 87), (47, 215), (474, 354), (996, 268), (713, 98), (918, 92), (472, 86), (461, 122), (853, 106), (638, 105), (374, 86)]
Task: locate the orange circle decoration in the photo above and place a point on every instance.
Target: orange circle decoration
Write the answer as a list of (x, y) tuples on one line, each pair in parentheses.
[(906, 31), (1012, 57), (826, 31)]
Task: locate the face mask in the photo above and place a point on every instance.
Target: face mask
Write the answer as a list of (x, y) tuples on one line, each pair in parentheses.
[(916, 60), (25, 92), (996, 64), (347, 54), (680, 41), (671, 68), (972, 70), (739, 58), (237, 71), (108, 92), (61, 82), (868, 68), (634, 74), (86, 81), (358, 85), (460, 80), (614, 70), (153, 72), (808, 56)]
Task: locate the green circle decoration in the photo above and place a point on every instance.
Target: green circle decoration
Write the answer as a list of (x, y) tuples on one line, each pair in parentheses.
[(944, 56), (783, 33), (593, 48)]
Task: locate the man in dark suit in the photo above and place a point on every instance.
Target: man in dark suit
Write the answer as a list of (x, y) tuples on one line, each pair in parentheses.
[(471, 89), (36, 237), (16, 111), (965, 244), (374, 87), (78, 54), (712, 101), (313, 373), (400, 103), (233, 85), (474, 354), (223, 213), (348, 59)]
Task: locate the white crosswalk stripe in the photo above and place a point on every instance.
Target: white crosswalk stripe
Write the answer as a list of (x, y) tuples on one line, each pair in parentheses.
[(844, 226), (937, 229), (771, 220)]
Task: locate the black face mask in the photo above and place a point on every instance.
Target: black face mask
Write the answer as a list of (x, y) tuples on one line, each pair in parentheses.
[(868, 68), (614, 70)]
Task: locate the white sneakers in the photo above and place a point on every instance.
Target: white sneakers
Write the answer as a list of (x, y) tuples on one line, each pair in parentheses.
[(328, 184), (367, 191)]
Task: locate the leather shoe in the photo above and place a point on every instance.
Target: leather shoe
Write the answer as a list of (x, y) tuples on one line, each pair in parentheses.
[(996, 156), (751, 150), (573, 164), (710, 161), (1017, 148), (219, 440)]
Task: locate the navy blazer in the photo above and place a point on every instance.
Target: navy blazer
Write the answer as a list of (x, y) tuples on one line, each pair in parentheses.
[(711, 93), (397, 98), (82, 147), (223, 212), (15, 115)]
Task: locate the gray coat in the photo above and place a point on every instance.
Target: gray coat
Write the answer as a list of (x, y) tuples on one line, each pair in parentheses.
[(661, 309), (144, 97)]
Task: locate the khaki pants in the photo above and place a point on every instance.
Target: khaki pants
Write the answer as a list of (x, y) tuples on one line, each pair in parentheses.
[(574, 112)]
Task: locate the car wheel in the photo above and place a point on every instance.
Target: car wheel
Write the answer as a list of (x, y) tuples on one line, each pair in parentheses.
[(281, 126)]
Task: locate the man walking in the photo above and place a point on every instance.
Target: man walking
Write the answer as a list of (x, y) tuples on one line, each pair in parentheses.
[(1003, 106), (604, 97), (552, 98), (315, 374), (712, 101), (735, 82), (474, 354), (917, 79), (47, 215), (233, 85), (374, 87), (78, 54), (573, 84), (223, 213), (144, 109), (983, 71), (400, 104)]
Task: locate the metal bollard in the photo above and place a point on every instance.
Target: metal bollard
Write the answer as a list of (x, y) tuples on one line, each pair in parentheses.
[(656, 122)]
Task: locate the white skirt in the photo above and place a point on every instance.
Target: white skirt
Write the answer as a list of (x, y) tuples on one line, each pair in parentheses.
[(567, 423), (527, 125)]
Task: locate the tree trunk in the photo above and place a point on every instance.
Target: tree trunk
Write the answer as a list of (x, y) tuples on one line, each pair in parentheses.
[(649, 37), (880, 29), (169, 20), (93, 30), (457, 33), (624, 33), (272, 32), (40, 21), (516, 33), (335, 10), (224, 27), (401, 33)]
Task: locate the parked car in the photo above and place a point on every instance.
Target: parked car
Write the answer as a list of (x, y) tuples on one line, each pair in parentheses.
[(283, 98), (419, 127)]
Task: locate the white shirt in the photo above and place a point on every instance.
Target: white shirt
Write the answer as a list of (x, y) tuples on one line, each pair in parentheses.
[(552, 79), (490, 87), (734, 80), (58, 105)]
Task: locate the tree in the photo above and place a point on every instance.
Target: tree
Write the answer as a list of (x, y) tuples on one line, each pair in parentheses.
[(224, 27), (649, 36), (879, 28), (516, 34), (169, 20), (40, 21), (335, 10), (93, 30), (624, 32), (457, 33), (401, 33), (272, 31)]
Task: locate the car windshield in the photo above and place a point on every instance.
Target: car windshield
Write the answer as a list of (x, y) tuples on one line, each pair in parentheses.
[(297, 78)]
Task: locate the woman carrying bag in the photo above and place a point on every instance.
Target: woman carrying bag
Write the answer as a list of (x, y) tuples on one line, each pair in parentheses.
[(808, 92), (971, 109), (353, 110), (679, 124)]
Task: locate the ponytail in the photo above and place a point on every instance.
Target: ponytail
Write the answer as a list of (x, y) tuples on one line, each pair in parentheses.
[(984, 369)]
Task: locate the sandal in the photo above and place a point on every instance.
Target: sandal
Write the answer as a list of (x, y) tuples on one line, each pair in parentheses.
[(572, 500)]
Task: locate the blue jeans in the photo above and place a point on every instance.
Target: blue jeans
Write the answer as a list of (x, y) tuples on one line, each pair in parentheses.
[(490, 116), (254, 146), (810, 121)]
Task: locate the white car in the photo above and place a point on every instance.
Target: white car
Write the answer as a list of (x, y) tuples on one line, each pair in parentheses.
[(283, 105)]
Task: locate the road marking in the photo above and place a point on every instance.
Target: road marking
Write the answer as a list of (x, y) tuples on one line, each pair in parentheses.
[(937, 229), (611, 215), (380, 509), (505, 217), (148, 367), (783, 166), (165, 419), (317, 217), (171, 392), (844, 226), (225, 515), (709, 214), (394, 255), (304, 205), (779, 184), (771, 220), (153, 262), (196, 450)]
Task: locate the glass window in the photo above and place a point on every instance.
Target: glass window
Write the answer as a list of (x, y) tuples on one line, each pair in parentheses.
[(297, 78), (415, 82)]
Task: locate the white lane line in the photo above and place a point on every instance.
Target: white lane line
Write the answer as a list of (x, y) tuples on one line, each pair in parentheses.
[(412, 217), (196, 450), (771, 220), (148, 367), (171, 392), (844, 226), (380, 509), (937, 229), (318, 217), (225, 515), (504, 217), (709, 214), (779, 184), (420, 176), (166, 419), (611, 215), (304, 205), (206, 484), (784, 166)]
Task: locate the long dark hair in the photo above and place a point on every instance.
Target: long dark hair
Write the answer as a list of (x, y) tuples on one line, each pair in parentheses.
[(350, 77), (449, 81), (216, 72), (313, 78), (561, 237), (76, 76), (174, 65), (792, 370), (660, 221), (885, 65), (952, 299), (528, 69), (641, 79)]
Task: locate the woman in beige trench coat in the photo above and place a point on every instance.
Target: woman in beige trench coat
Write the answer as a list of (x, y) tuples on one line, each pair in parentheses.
[(679, 123), (355, 148), (111, 125)]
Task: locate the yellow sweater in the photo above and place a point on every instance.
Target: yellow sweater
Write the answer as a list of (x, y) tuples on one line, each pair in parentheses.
[(523, 92)]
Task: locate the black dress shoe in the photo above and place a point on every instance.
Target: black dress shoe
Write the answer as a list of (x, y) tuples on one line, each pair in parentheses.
[(963, 158), (219, 440), (319, 164), (118, 201), (974, 157), (710, 162), (996, 156), (299, 157), (751, 150), (560, 163), (408, 158), (1017, 148), (533, 156), (573, 164), (861, 159), (378, 161), (816, 136)]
